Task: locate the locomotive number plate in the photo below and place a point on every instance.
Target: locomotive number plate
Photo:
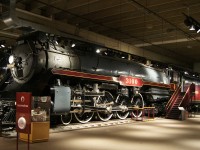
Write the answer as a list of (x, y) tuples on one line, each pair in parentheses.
[(130, 81)]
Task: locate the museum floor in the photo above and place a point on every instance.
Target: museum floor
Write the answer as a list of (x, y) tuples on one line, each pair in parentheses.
[(160, 134)]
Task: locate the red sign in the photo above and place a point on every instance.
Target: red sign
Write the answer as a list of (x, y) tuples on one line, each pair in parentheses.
[(130, 81), (23, 112)]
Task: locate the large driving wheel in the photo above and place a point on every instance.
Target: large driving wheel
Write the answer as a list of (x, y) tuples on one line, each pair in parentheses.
[(104, 115), (66, 119), (124, 113), (85, 116), (137, 102)]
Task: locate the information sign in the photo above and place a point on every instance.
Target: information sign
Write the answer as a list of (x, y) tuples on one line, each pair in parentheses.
[(23, 112)]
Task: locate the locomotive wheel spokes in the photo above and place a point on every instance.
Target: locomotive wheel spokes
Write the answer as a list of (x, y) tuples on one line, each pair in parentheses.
[(66, 119), (137, 102), (122, 114), (85, 117), (104, 115)]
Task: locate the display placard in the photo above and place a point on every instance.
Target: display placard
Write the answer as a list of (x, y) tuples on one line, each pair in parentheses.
[(23, 112), (130, 81)]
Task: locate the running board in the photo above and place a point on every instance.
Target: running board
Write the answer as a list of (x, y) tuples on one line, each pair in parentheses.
[(94, 94)]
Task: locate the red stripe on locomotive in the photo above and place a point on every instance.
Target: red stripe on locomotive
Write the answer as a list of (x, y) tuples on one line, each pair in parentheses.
[(123, 80)]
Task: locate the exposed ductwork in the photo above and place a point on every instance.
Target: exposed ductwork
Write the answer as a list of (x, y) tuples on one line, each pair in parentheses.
[(9, 17), (12, 20)]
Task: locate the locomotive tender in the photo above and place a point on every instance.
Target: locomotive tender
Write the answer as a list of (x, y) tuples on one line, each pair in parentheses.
[(82, 83)]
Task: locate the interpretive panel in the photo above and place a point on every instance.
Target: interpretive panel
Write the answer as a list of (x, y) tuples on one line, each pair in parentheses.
[(23, 112)]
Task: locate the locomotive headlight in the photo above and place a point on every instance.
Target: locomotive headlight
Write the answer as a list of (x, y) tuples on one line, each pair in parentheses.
[(11, 59)]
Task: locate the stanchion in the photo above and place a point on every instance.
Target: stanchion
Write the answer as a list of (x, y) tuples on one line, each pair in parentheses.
[(28, 141), (0, 126), (150, 110), (143, 113), (137, 114), (1, 118), (153, 112), (17, 143)]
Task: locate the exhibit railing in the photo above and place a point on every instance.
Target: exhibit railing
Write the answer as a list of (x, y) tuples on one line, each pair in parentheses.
[(187, 98)]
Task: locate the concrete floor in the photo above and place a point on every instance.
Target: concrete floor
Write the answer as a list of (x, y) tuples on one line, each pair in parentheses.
[(161, 134)]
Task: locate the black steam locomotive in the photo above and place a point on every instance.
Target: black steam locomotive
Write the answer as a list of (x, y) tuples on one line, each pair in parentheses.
[(81, 83)]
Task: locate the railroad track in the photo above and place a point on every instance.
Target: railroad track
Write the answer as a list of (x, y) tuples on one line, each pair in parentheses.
[(92, 124)]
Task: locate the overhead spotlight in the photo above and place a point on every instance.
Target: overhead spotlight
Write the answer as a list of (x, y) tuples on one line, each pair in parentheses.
[(2, 43), (192, 23), (73, 45), (123, 56), (198, 30), (192, 28), (106, 53), (56, 42), (98, 51)]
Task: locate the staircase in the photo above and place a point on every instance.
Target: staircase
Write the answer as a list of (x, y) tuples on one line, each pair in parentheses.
[(174, 113), (179, 99)]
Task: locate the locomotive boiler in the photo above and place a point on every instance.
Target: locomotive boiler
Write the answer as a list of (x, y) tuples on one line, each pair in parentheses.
[(83, 84)]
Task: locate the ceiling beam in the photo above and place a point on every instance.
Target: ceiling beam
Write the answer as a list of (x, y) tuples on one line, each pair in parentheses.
[(134, 16), (164, 42), (90, 8), (131, 12), (38, 4), (9, 34)]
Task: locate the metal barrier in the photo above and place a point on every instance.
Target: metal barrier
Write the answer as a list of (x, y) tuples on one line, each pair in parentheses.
[(137, 114), (150, 110), (1, 117)]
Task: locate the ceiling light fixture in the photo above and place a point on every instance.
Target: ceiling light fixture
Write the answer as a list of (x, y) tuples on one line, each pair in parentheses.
[(192, 28), (73, 45), (192, 24), (98, 51), (198, 30)]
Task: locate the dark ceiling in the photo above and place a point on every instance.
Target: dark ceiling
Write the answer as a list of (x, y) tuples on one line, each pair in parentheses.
[(154, 25)]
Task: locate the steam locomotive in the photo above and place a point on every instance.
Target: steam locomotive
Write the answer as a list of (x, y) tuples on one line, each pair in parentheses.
[(83, 84)]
